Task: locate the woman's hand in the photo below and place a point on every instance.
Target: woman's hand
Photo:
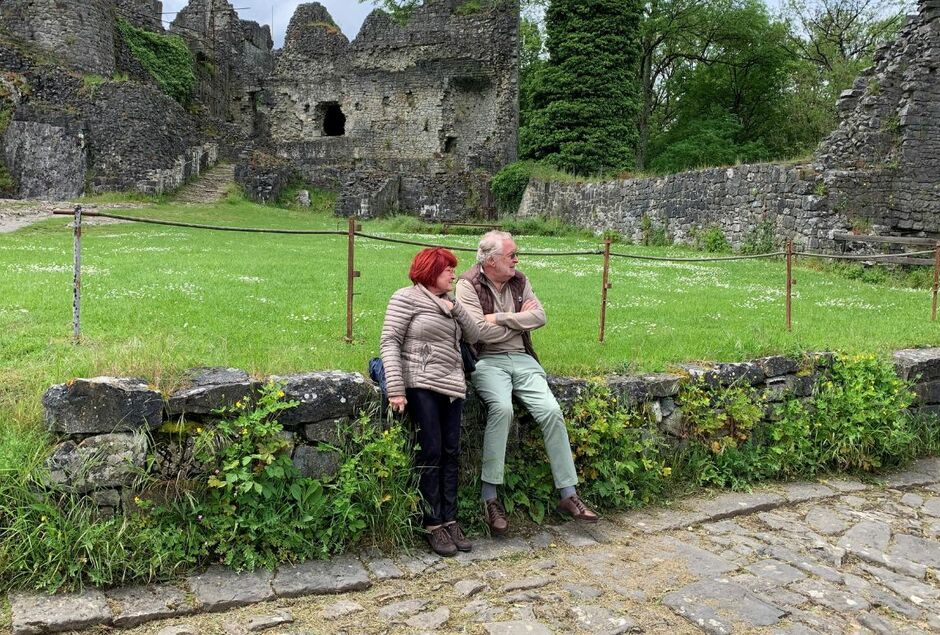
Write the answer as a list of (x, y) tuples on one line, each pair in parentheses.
[(398, 403)]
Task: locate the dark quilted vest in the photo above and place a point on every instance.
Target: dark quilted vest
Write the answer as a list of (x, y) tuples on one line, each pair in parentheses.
[(474, 276)]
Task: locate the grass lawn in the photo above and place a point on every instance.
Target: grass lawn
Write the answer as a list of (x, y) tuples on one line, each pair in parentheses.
[(158, 300)]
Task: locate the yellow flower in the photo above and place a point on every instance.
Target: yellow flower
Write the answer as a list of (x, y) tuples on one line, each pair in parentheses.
[(667, 471), (137, 500), (280, 393), (43, 519), (198, 430)]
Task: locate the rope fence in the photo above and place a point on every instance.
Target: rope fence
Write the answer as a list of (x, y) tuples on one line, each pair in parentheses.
[(354, 230)]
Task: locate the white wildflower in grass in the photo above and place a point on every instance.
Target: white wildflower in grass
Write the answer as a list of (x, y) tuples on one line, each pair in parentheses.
[(146, 250), (855, 304), (249, 279), (90, 270)]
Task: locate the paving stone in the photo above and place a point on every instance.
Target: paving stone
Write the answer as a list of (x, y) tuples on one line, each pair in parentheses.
[(179, 629), (803, 563), (517, 627), (845, 485), (543, 565), (699, 562), (868, 534), (825, 521), (542, 540), (493, 549), (829, 596), (264, 622), (895, 563), (731, 504), (399, 609), (916, 550), (523, 597), (909, 479), (139, 604), (908, 588), (722, 527), (220, 588), (776, 572), (637, 595), (430, 620), (654, 521), (340, 609), (802, 492), (877, 624), (468, 588), (317, 577), (932, 506), (482, 611), (527, 584), (383, 569), (890, 601), (912, 500), (929, 466), (597, 619), (41, 613), (422, 562), (582, 591), (574, 533), (697, 603), (606, 532), (781, 522)]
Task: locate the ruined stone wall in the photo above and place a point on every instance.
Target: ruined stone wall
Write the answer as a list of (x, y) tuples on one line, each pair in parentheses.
[(233, 57), (144, 14), (879, 171), (432, 99), (78, 32)]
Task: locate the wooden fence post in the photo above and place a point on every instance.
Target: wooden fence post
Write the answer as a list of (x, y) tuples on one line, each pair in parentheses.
[(351, 275), (77, 277), (605, 285), (789, 302), (936, 281)]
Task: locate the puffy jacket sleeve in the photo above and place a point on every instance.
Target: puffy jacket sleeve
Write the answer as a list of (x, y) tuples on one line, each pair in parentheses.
[(398, 317), (470, 330)]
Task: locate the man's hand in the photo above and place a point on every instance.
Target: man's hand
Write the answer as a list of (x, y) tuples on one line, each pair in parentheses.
[(490, 317), (530, 305), (398, 403)]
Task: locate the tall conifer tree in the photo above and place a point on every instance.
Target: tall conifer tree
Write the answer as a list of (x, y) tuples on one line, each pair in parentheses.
[(586, 98)]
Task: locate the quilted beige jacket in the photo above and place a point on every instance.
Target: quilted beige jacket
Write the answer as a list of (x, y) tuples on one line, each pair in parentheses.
[(420, 343)]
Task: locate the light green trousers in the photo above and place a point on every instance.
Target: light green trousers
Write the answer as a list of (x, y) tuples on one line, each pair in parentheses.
[(497, 378)]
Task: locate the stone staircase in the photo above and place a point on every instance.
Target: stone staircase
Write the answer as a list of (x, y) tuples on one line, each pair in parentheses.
[(210, 187)]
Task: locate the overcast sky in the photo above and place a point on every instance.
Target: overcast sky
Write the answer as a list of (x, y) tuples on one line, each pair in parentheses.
[(348, 14)]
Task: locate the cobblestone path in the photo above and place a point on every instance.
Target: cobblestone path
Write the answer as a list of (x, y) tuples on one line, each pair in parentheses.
[(834, 557)]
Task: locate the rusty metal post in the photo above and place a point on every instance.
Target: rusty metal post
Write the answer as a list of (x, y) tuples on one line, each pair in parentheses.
[(351, 275), (789, 303), (77, 277), (936, 281), (605, 285)]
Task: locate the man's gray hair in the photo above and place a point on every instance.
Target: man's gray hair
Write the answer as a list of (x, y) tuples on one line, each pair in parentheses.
[(491, 245)]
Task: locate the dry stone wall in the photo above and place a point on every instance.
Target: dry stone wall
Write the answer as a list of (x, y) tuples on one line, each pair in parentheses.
[(879, 171), (107, 426)]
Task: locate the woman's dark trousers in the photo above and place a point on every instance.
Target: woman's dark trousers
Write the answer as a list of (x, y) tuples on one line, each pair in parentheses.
[(437, 422)]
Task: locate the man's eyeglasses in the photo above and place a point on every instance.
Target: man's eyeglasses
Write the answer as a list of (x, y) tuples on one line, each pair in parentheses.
[(513, 256)]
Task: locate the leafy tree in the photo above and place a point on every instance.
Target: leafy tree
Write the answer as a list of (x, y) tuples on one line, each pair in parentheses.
[(585, 98)]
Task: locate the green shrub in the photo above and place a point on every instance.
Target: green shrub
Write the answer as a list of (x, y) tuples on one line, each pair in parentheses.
[(166, 57), (712, 239), (508, 185), (760, 240), (653, 235)]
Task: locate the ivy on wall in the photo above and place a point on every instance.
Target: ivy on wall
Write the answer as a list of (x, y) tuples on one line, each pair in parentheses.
[(166, 57)]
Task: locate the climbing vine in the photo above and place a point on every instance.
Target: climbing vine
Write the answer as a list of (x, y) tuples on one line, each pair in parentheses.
[(166, 57)]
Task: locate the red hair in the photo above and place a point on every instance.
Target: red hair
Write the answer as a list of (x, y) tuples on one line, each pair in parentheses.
[(430, 263)]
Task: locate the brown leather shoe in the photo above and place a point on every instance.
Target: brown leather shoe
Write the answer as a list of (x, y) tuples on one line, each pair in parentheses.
[(575, 507), (495, 517), (440, 542), (458, 538)]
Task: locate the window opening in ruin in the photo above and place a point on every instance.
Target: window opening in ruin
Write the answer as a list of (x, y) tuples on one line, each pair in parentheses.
[(450, 144), (334, 121)]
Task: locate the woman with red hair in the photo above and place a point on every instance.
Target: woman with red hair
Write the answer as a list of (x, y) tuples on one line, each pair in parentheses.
[(420, 349)]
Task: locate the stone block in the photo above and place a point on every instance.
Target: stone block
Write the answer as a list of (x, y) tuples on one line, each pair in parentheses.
[(777, 365), (315, 463), (140, 604), (567, 390), (325, 395), (628, 390), (660, 385), (330, 431), (210, 389), (918, 364), (102, 405), (105, 461), (42, 613), (339, 575), (927, 392), (220, 588)]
